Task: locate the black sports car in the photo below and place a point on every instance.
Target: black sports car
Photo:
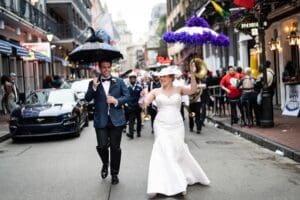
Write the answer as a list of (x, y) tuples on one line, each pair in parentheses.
[(49, 112)]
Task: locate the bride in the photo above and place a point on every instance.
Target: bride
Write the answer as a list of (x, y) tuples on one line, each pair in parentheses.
[(172, 167)]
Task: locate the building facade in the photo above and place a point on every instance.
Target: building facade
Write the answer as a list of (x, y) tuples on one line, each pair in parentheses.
[(24, 26)]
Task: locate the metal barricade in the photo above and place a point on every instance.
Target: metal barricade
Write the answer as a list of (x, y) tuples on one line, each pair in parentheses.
[(219, 100)]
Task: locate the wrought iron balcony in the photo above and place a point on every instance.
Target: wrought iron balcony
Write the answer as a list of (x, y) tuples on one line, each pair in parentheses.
[(31, 14), (83, 9)]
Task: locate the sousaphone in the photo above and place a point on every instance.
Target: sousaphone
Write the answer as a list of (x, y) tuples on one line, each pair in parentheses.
[(201, 68)]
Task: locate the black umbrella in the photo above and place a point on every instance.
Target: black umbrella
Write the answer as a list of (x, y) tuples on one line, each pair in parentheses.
[(123, 75), (94, 50)]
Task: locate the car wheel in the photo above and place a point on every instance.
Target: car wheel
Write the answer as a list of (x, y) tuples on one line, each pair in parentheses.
[(78, 127), (86, 124)]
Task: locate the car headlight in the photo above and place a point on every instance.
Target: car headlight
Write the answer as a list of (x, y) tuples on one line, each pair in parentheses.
[(67, 115)]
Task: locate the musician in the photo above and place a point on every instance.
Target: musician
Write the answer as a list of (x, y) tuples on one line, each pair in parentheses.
[(196, 108), (152, 109), (132, 108)]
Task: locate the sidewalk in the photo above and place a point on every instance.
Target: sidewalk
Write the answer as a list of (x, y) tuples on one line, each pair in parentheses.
[(284, 136), (4, 131)]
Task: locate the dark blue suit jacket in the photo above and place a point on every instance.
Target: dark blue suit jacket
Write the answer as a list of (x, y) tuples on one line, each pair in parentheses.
[(119, 91), (135, 94)]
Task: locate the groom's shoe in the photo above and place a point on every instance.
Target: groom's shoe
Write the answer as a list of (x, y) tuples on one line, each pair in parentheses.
[(129, 136), (114, 179), (104, 171)]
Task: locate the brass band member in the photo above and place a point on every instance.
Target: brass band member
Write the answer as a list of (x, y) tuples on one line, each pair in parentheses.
[(195, 108)]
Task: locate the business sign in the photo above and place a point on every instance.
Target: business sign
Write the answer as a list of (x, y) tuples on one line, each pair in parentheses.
[(163, 60), (251, 25), (292, 100), (41, 47)]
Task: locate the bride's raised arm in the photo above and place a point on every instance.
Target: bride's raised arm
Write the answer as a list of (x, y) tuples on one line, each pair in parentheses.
[(146, 99), (193, 88)]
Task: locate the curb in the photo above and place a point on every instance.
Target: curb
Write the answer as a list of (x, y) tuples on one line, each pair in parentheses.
[(4, 137), (262, 141)]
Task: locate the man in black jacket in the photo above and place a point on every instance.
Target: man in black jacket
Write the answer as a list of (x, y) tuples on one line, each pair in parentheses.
[(132, 108), (152, 110)]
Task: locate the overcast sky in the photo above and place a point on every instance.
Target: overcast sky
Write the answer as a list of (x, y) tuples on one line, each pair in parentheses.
[(137, 14)]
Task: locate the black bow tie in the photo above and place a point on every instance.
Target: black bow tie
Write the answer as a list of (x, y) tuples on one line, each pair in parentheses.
[(105, 79)]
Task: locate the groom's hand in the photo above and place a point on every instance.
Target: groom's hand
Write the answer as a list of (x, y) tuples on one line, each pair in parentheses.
[(111, 100), (95, 83)]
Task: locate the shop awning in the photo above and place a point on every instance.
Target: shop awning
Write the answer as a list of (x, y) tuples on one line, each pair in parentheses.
[(21, 51), (63, 61), (5, 48), (41, 57)]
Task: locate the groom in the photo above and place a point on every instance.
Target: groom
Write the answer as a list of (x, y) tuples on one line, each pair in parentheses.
[(109, 94)]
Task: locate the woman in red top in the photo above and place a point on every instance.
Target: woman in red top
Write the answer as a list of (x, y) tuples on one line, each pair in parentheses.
[(229, 83)]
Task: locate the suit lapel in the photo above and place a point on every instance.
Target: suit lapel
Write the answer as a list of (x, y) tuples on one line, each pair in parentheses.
[(112, 84)]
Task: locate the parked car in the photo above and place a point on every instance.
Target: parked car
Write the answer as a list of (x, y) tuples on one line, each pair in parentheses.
[(48, 112), (80, 87)]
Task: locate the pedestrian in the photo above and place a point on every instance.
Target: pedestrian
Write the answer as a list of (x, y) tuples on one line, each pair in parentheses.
[(172, 167), (229, 83), (132, 108), (109, 94), (289, 73), (15, 89), (47, 82), (248, 98), (8, 99), (271, 78), (152, 109)]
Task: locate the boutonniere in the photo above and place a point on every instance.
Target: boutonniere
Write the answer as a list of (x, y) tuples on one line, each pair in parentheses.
[(113, 80)]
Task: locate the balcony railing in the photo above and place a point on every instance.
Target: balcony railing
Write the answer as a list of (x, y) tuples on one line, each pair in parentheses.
[(82, 8), (31, 14)]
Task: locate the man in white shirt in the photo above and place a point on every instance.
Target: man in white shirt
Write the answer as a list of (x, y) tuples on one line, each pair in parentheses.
[(110, 94)]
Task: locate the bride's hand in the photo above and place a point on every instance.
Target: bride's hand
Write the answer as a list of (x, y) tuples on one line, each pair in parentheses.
[(192, 67), (143, 93)]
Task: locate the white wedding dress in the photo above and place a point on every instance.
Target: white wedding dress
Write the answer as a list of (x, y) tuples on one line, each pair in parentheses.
[(172, 167)]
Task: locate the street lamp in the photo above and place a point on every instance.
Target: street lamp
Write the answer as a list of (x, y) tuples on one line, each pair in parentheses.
[(267, 117), (50, 37)]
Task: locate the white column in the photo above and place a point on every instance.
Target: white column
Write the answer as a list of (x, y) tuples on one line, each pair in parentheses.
[(243, 50)]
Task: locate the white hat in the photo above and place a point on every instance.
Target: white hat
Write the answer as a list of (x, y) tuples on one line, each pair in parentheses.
[(12, 74), (168, 71), (132, 74)]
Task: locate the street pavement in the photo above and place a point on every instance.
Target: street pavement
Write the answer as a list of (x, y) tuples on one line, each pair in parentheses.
[(69, 169)]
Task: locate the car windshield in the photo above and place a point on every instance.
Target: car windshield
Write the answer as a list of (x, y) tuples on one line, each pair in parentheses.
[(51, 97), (80, 86)]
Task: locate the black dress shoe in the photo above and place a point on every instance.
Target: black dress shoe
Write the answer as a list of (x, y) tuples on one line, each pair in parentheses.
[(130, 136), (138, 134), (104, 171), (114, 179)]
